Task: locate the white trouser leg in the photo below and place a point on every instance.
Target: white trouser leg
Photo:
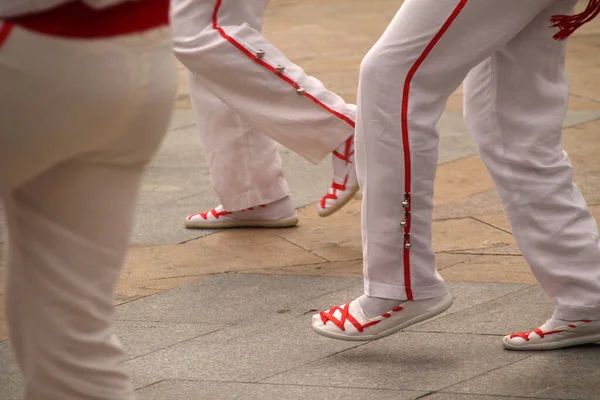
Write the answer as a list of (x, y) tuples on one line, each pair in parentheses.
[(245, 166), (515, 104), (80, 121), (219, 41), (405, 80)]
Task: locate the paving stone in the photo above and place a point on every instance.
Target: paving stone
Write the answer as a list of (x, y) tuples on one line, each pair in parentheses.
[(228, 298), (11, 387), (583, 73), (162, 223), (190, 390), (183, 118), (469, 294), (563, 374), (515, 312), (460, 179), (468, 235), (578, 117), (335, 238), (351, 268), (498, 249), (11, 382), (580, 143), (249, 351), (3, 327), (498, 220), (481, 203), (346, 268), (455, 140), (406, 361), (140, 337), (148, 267), (505, 269)]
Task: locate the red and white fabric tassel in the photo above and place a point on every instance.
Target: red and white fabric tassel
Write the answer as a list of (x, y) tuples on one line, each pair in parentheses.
[(567, 24)]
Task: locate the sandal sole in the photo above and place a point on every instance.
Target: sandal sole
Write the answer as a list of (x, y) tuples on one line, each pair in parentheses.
[(280, 223)]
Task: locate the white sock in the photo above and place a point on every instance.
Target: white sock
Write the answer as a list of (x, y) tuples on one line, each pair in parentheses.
[(554, 323), (375, 306), (280, 209)]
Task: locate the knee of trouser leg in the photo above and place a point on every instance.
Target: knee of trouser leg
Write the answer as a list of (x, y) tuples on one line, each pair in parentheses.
[(478, 122), (197, 51), (381, 70)]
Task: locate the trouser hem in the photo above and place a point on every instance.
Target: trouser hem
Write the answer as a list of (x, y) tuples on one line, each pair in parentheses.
[(256, 196), (398, 292), (576, 313)]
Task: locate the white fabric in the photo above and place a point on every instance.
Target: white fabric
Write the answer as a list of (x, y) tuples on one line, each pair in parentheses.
[(375, 306), (515, 101), (80, 120), (357, 326), (280, 210), (13, 8), (243, 108)]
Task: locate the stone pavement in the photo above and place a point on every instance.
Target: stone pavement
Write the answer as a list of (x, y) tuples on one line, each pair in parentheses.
[(226, 315)]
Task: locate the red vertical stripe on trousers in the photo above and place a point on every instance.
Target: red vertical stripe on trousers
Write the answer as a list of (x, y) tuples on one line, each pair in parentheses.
[(405, 137), (249, 54), (5, 32)]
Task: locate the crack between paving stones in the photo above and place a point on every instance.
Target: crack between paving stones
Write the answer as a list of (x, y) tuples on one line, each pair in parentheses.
[(577, 125), (153, 321), (252, 271), (454, 252), (456, 263), (201, 237), (529, 286), (585, 97), (454, 333), (281, 384), (460, 159), (424, 395), (182, 127), (300, 247), (151, 384), (468, 252), (485, 373), (173, 277), (312, 361), (499, 396), (137, 298), (334, 387), (216, 330), (492, 226), (170, 322), (323, 295), (183, 341), (180, 198)]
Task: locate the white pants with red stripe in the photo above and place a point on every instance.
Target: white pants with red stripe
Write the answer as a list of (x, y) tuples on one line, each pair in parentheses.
[(515, 100), (80, 121), (247, 95)]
